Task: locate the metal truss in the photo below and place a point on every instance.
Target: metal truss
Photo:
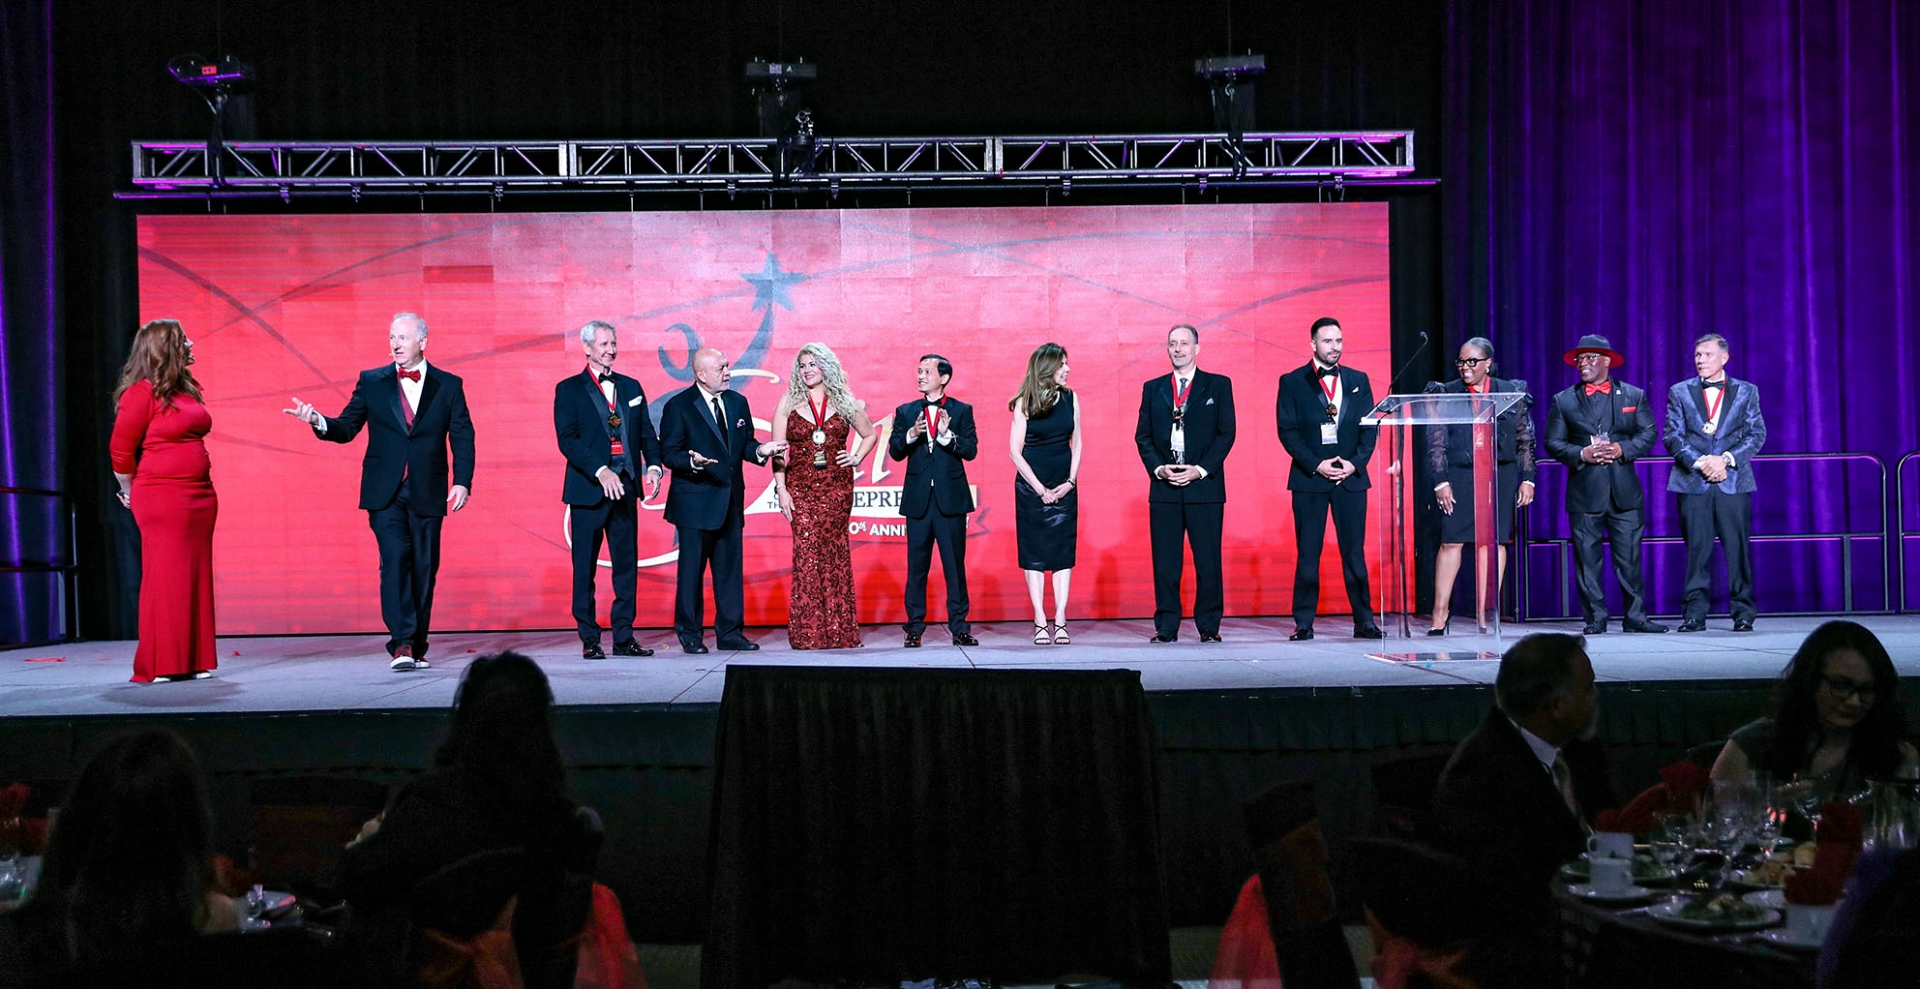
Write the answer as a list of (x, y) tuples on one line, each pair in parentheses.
[(415, 167)]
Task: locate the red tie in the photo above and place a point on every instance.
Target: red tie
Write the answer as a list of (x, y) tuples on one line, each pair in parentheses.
[(413, 375), (1603, 388)]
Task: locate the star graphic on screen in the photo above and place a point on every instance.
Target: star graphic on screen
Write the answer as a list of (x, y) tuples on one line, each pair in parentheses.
[(770, 284)]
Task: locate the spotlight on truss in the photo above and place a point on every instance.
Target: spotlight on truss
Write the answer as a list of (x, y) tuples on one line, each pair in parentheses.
[(1230, 84), (783, 112), (226, 83)]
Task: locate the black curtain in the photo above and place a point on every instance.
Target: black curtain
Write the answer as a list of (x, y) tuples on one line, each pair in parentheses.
[(891, 824), (491, 69)]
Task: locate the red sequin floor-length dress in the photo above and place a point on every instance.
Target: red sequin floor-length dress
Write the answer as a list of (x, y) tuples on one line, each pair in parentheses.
[(174, 505), (822, 614)]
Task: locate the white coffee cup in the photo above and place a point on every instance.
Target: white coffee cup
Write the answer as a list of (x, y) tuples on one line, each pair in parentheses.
[(1610, 875), (1807, 923), (1610, 845)]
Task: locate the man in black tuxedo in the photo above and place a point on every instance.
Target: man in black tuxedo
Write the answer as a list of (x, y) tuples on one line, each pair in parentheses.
[(600, 419), (1518, 796), (1598, 428), (1184, 433), (1714, 430), (414, 414), (935, 497), (1318, 412), (706, 436)]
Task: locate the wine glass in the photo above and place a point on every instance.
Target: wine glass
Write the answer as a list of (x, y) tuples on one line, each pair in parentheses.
[(256, 909), (1668, 844)]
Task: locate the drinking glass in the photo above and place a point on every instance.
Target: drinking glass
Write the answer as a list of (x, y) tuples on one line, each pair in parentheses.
[(1668, 844)]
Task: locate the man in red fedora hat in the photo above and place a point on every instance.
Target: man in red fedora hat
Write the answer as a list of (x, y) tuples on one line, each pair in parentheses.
[(1598, 428)]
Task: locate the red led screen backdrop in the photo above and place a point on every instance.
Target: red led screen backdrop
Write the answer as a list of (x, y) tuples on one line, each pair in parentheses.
[(285, 306)]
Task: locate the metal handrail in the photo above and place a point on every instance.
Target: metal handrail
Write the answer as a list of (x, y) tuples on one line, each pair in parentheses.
[(69, 571), (1883, 534), (1900, 524)]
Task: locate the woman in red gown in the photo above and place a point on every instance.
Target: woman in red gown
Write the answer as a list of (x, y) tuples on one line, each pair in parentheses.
[(814, 481), (165, 478)]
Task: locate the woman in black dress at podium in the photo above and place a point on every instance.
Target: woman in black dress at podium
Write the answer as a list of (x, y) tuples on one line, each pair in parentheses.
[(1450, 457), (1046, 500)]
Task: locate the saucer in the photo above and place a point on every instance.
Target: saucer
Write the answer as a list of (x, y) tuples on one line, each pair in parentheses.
[(1631, 893)]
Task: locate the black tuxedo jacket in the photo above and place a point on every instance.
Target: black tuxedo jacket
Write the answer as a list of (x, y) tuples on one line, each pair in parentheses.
[(1452, 446), (1301, 407), (1209, 424), (393, 451), (1623, 415), (580, 424), (1496, 805), (946, 465), (713, 496)]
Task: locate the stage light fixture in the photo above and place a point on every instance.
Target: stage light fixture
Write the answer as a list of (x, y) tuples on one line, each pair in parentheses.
[(1230, 85), (226, 83), (783, 112)]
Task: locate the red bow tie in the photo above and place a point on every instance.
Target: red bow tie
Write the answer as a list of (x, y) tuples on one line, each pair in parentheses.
[(410, 375), (1603, 388)]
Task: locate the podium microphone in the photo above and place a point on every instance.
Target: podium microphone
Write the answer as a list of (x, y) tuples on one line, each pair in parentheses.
[(1408, 362)]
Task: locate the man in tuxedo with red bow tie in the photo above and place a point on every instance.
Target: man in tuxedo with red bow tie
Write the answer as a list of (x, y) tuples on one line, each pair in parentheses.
[(1598, 428), (413, 414), (935, 496), (601, 422)]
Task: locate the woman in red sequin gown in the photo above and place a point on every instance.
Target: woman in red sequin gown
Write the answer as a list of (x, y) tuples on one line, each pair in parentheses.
[(814, 481), (165, 478)]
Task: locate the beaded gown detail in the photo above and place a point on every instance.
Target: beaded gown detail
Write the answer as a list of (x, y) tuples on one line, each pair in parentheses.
[(821, 613)]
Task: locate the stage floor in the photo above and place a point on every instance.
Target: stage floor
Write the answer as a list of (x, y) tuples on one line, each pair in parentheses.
[(349, 672)]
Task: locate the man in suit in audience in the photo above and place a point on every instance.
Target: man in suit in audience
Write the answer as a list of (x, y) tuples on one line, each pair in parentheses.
[(706, 439), (935, 496), (600, 419), (414, 414), (1518, 796), (1318, 412), (1714, 430), (1598, 428), (1184, 432)]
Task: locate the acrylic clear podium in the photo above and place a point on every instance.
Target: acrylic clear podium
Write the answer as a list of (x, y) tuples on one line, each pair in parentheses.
[(1407, 424)]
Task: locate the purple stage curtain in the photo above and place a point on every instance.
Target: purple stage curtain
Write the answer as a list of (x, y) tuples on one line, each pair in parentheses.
[(32, 528), (1655, 170)]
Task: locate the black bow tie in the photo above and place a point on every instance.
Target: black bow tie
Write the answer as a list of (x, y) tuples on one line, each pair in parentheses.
[(1714, 384), (604, 378), (1330, 372)]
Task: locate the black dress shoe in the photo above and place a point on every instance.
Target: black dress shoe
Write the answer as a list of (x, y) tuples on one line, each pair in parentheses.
[(1595, 628), (1209, 637), (694, 648), (592, 650), (1644, 627), (1442, 630), (1300, 635), (631, 648), (1157, 637), (913, 640), (739, 645), (963, 639), (1367, 632), (1693, 625), (1743, 625)]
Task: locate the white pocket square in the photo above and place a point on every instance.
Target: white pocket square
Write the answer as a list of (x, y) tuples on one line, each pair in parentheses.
[(1209, 401), (636, 400)]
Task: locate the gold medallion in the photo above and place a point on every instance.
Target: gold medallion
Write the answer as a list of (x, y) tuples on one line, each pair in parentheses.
[(613, 420)]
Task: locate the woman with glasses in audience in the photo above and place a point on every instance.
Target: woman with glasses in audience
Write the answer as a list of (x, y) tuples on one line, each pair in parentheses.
[(129, 868), (1836, 718), (1450, 459)]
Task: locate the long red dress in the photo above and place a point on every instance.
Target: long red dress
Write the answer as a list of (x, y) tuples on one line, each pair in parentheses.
[(821, 614), (174, 505)]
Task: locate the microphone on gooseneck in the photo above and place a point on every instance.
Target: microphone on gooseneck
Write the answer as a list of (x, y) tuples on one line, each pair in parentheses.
[(1408, 363)]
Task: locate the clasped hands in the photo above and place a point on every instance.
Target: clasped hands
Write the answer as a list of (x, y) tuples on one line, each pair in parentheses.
[(1601, 453), (1178, 475), (1335, 469), (1713, 467), (919, 427)]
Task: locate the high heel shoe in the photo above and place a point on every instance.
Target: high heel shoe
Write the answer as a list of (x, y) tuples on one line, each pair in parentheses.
[(1040, 637), (1060, 636), (1441, 627)]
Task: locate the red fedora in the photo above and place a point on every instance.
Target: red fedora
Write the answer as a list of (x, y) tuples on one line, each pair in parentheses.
[(1593, 343)]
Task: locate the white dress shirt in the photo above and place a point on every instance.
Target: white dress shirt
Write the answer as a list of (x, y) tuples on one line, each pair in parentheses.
[(411, 389), (1719, 413)]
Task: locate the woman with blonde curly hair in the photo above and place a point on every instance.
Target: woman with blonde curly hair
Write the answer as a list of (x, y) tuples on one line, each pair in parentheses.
[(1045, 444), (160, 460), (814, 482)]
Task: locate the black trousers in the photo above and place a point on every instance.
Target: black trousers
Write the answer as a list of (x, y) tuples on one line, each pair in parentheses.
[(618, 522), (949, 532), (409, 563), (1170, 523), (1349, 510), (718, 549), (1729, 516), (1623, 531)]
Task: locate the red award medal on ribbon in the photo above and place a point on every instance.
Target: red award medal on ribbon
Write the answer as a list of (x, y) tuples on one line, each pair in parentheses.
[(1331, 385), (1180, 398), (1713, 409), (613, 419), (931, 415), (819, 429)]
